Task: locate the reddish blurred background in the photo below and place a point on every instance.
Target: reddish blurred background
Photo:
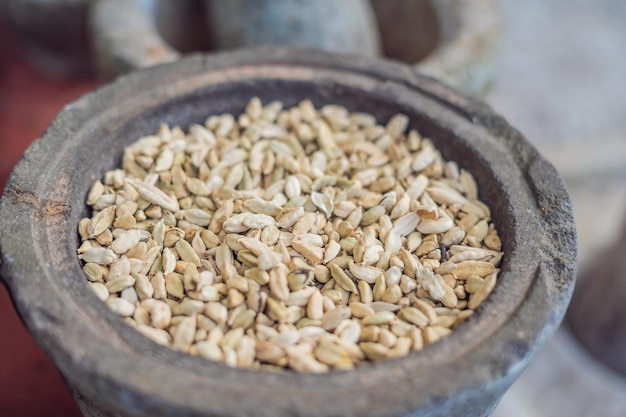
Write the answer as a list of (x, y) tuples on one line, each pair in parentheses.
[(30, 385)]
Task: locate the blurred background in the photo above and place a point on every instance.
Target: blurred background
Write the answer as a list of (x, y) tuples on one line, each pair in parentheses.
[(555, 69)]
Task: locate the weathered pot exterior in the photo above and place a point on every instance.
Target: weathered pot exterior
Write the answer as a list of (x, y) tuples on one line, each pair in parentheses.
[(119, 372)]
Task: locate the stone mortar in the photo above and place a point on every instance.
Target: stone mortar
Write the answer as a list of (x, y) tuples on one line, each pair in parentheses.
[(116, 371), (454, 41)]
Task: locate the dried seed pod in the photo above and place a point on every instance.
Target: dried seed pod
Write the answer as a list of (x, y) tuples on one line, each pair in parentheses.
[(93, 272), (154, 195), (121, 306), (392, 294), (492, 241), (95, 192), (209, 351), (101, 221), (185, 332), (432, 334), (372, 254), (332, 354), (440, 225), (436, 287), (365, 272), (174, 285), (467, 269), (361, 310), (379, 289), (314, 308), (100, 290), (477, 234), (311, 253), (143, 287), (374, 351), (365, 292), (414, 316), (187, 253), (100, 256), (397, 125), (379, 318), (304, 224), (124, 242), (402, 348), (482, 292), (423, 158), (290, 218), (332, 318), (343, 279), (392, 276), (279, 287)]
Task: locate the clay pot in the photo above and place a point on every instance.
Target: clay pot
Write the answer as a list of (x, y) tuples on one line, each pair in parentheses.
[(115, 371)]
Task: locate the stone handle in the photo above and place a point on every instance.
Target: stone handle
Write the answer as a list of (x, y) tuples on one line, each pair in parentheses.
[(469, 32), (125, 38)]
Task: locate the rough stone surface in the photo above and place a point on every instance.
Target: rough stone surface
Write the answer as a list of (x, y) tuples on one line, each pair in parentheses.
[(462, 375), (345, 26)]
